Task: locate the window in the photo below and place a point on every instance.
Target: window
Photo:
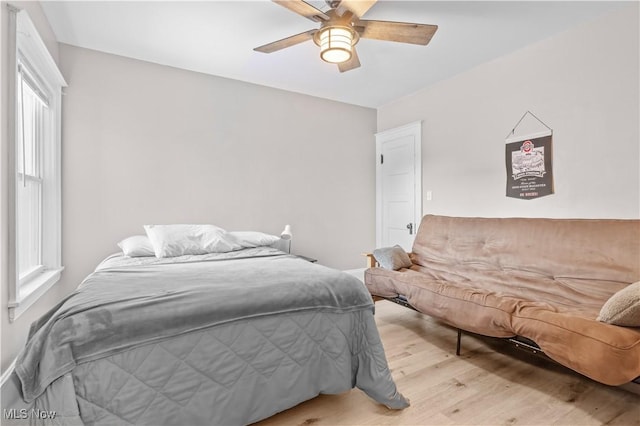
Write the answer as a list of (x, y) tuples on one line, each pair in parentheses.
[(35, 243), (32, 114)]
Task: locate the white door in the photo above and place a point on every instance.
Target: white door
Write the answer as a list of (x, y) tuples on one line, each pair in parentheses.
[(398, 185)]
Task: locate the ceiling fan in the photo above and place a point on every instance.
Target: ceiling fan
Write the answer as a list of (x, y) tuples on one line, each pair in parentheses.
[(341, 28)]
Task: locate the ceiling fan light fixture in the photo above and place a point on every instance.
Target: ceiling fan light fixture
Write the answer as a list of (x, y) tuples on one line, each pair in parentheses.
[(336, 44), (341, 28)]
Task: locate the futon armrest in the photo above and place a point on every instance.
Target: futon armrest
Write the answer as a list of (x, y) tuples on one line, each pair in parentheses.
[(371, 260)]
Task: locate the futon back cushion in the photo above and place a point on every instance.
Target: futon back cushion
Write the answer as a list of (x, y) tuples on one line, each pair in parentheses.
[(581, 249)]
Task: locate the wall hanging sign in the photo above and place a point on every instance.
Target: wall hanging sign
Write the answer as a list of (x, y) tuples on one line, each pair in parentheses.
[(529, 162)]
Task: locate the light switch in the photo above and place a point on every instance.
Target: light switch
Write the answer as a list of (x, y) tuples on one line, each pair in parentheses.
[(429, 195)]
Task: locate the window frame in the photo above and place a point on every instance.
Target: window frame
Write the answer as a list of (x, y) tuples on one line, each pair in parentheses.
[(27, 50)]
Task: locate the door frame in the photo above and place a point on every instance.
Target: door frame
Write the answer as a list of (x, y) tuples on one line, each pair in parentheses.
[(412, 129)]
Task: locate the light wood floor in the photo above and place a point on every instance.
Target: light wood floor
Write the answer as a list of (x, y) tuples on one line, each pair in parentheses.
[(489, 384)]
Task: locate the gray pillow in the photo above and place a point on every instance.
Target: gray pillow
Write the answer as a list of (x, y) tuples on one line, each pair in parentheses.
[(623, 308), (393, 258)]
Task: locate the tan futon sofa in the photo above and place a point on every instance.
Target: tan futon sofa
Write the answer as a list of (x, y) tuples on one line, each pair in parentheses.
[(542, 279)]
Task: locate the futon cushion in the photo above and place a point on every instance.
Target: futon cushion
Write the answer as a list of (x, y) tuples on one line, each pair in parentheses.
[(543, 279)]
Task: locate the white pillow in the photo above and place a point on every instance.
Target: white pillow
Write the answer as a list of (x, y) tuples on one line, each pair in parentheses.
[(179, 240), (137, 246), (249, 239)]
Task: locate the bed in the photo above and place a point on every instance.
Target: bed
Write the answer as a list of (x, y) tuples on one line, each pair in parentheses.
[(219, 338)]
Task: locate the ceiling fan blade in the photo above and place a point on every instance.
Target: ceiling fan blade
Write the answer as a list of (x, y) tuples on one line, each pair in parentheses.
[(304, 9), (358, 7), (352, 63), (286, 42), (402, 32)]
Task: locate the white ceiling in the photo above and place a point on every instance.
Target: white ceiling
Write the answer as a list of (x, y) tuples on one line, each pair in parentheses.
[(218, 37)]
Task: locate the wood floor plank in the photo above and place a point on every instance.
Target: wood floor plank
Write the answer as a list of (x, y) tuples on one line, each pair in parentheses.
[(489, 384)]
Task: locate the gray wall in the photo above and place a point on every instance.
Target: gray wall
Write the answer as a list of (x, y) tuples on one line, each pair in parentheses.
[(145, 143), (583, 83)]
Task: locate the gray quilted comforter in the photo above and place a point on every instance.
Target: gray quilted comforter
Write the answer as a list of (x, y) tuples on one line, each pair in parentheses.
[(215, 339)]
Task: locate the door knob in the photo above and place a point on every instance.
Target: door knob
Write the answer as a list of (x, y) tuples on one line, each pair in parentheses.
[(410, 228)]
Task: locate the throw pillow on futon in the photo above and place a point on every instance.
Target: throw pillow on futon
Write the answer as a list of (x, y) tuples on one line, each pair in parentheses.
[(393, 258), (623, 308)]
